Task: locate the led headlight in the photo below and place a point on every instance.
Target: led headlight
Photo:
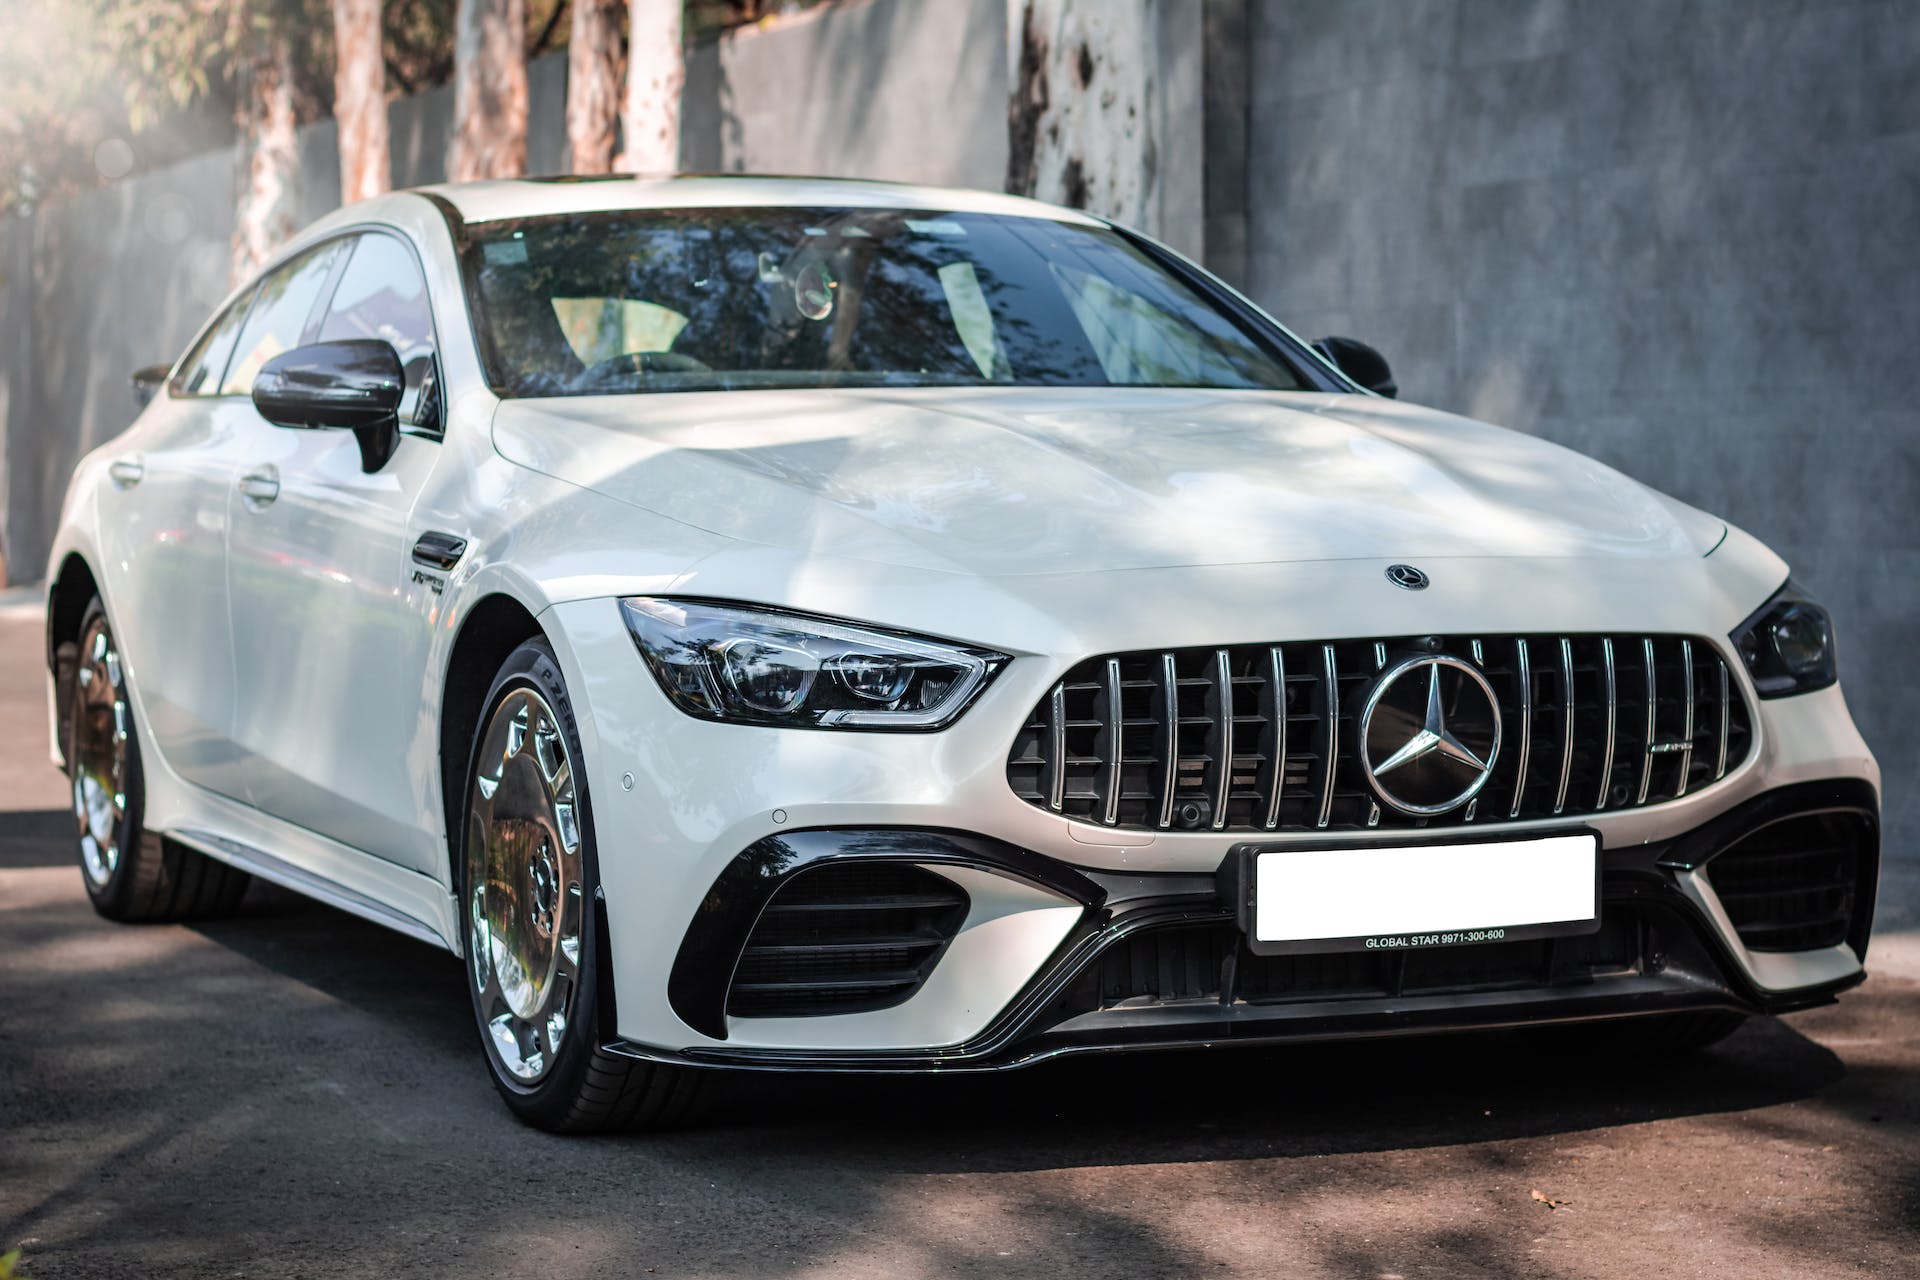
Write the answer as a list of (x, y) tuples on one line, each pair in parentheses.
[(756, 666), (1788, 645)]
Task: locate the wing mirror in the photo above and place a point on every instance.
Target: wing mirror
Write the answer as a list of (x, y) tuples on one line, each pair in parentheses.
[(355, 385), (147, 383), (1361, 363)]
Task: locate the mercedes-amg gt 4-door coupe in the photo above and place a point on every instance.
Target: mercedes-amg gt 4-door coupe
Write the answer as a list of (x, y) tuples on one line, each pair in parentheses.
[(836, 626)]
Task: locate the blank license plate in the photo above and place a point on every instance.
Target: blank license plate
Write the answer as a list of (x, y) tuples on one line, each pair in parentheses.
[(1404, 897)]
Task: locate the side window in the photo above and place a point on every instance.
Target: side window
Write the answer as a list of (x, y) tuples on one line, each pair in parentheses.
[(279, 317), (200, 371), (381, 295), (1139, 343)]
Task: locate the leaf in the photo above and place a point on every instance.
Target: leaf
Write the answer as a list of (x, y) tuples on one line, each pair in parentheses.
[(1548, 1200)]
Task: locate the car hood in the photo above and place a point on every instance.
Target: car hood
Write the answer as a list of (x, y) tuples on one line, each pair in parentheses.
[(996, 482)]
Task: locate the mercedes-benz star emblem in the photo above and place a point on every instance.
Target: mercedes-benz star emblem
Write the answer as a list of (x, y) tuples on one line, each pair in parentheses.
[(1429, 734), (1405, 575)]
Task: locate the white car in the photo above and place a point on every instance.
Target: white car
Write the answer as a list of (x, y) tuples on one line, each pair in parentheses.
[(841, 626)]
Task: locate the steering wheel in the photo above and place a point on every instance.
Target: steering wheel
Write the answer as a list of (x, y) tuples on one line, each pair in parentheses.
[(608, 373)]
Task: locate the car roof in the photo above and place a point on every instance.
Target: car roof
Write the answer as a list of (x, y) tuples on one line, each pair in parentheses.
[(532, 197)]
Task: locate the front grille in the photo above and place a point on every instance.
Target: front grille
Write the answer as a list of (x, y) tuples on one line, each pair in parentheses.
[(1190, 962), (845, 938), (1260, 737), (1791, 886)]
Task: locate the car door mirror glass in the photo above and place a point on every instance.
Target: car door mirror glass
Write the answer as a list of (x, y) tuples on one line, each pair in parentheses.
[(1361, 363), (355, 384)]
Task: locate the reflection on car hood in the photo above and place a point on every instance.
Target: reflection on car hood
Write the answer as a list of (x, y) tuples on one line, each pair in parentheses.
[(996, 481)]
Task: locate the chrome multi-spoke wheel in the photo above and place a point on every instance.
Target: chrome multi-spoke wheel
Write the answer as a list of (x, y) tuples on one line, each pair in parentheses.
[(523, 883), (131, 873), (528, 884), (100, 732)]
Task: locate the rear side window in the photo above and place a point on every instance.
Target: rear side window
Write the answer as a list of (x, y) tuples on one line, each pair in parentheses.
[(278, 322), (200, 370)]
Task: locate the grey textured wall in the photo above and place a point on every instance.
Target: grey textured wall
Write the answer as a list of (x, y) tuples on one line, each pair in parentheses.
[(1680, 235)]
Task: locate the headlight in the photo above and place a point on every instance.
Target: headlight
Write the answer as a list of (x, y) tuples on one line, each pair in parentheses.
[(1788, 645), (756, 666)]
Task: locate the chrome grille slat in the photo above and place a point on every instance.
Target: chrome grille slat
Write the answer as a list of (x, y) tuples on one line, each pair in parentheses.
[(1330, 726), (1653, 721), (1610, 701), (1274, 703), (1223, 729), (1686, 727), (1201, 739), (1566, 725), (1057, 735), (1170, 733), (1523, 669)]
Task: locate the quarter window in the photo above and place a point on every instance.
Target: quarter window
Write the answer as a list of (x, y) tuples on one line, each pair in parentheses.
[(281, 311)]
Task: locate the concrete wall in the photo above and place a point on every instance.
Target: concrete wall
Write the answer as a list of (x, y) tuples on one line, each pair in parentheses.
[(1678, 235)]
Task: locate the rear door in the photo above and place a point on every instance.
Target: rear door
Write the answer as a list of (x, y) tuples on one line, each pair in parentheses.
[(330, 628)]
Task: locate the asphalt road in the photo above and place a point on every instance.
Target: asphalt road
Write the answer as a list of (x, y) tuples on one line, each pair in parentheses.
[(295, 1093)]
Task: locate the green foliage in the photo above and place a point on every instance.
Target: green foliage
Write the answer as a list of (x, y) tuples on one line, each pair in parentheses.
[(10, 1266)]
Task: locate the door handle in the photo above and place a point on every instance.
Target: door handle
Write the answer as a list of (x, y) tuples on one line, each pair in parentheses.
[(126, 472), (260, 487)]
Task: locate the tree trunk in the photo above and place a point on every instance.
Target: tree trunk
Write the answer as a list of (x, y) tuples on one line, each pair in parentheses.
[(266, 204), (360, 99), (1081, 120), (593, 85), (656, 72), (489, 90)]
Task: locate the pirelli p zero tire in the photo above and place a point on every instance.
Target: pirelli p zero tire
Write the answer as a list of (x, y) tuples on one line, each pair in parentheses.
[(530, 923), (131, 873)]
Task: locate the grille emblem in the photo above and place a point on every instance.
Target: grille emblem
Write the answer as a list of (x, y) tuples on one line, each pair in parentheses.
[(1405, 575), (1429, 734)]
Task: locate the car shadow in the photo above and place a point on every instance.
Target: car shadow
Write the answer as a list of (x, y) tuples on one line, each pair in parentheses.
[(37, 838), (1164, 1107)]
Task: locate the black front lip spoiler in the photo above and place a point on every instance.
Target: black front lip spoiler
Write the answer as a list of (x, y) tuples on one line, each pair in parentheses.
[(1121, 904)]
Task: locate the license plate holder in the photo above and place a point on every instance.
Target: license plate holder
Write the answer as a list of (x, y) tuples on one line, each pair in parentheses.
[(1417, 894)]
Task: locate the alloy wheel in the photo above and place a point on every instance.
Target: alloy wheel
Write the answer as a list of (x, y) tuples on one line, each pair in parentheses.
[(100, 729), (523, 885)]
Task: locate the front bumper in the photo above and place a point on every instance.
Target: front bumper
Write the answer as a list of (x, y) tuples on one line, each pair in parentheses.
[(1158, 962), (678, 800)]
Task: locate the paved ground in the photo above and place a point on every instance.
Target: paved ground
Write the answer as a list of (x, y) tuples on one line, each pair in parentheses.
[(295, 1093)]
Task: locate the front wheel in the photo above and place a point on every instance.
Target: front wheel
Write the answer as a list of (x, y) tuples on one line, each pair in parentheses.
[(530, 930)]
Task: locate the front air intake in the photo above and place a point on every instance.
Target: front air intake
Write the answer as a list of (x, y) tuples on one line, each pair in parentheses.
[(1251, 738), (846, 938), (1792, 886)]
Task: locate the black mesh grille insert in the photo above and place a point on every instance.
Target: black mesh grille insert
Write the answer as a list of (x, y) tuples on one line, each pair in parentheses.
[(1189, 962), (846, 938), (1260, 737), (1791, 886)]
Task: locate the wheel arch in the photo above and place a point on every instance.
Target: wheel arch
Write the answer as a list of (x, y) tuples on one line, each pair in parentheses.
[(72, 589), (493, 628)]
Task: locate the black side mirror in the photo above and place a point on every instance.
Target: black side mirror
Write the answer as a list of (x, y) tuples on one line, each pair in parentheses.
[(356, 385), (147, 383), (1361, 363)]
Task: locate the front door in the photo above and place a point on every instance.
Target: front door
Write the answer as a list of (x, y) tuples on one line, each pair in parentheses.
[(330, 633)]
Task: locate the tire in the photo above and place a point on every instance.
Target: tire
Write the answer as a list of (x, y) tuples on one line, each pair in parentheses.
[(130, 873), (531, 920)]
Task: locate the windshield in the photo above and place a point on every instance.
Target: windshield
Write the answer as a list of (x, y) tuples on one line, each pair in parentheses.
[(724, 299)]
